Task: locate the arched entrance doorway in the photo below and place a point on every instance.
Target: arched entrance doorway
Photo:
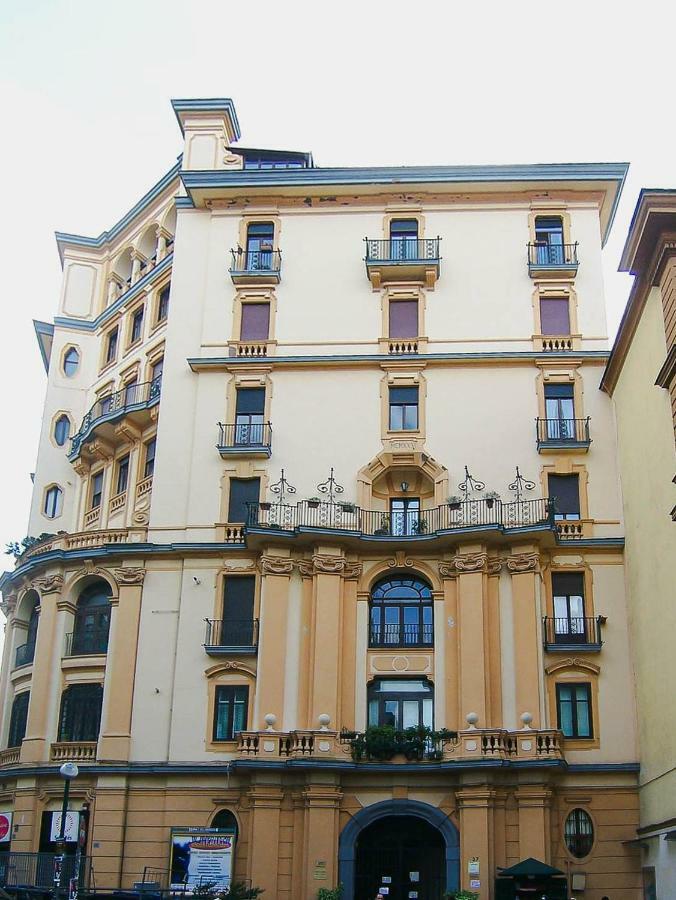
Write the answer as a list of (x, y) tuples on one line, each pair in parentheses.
[(403, 845)]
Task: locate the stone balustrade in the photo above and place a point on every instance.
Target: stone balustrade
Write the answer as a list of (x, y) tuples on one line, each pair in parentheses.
[(79, 540), (75, 751)]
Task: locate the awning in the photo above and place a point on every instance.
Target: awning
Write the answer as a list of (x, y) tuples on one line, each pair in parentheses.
[(530, 868)]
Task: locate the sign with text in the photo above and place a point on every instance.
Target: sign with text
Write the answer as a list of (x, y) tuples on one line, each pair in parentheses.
[(71, 830), (200, 856), (5, 826)]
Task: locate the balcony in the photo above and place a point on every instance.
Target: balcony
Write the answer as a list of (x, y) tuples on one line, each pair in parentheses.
[(225, 637), (552, 260), (245, 439), (404, 635), (133, 404), (86, 643), (10, 756), (574, 634), (75, 751), (292, 747), (554, 435), (348, 520), (256, 266), (84, 540), (398, 260), (25, 654)]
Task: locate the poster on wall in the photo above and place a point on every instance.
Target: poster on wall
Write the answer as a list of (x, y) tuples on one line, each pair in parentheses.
[(200, 855), (71, 830), (5, 826)]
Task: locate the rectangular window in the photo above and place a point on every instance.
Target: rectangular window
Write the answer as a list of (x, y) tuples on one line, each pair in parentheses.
[(568, 597), (403, 408), (156, 371), (105, 405), (149, 466), (80, 712), (255, 322), (573, 710), (237, 627), (401, 703), (137, 326), (549, 240), (565, 489), (249, 416), (230, 711), (111, 345), (122, 475), (242, 492), (560, 412), (404, 239), (97, 489), (260, 238), (18, 719), (403, 319), (131, 393), (554, 315), (163, 304), (405, 516)]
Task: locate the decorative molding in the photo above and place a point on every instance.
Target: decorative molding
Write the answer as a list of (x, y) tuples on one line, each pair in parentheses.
[(352, 571), (523, 562), (48, 584), (447, 570), (130, 575), (400, 560), (471, 562), (494, 565), (229, 666), (325, 564), (276, 565), (572, 662)]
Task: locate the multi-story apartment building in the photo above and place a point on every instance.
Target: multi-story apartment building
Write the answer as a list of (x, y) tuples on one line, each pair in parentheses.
[(338, 546), (641, 378)]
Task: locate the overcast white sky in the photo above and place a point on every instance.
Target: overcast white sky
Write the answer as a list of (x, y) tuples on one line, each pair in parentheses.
[(87, 127)]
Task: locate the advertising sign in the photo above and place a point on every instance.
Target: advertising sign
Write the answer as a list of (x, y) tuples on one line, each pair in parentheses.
[(72, 826), (5, 826), (200, 855)]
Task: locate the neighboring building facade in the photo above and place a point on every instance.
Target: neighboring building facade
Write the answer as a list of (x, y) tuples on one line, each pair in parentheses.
[(641, 378), (271, 446)]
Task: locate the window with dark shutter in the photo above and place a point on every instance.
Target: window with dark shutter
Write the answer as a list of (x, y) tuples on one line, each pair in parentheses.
[(404, 319), (250, 401), (554, 315), (242, 492), (81, 712), (238, 611), (255, 322), (18, 719), (566, 490)]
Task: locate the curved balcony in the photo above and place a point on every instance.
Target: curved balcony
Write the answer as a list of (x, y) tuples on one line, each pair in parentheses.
[(409, 259), (132, 404), (25, 654), (350, 521)]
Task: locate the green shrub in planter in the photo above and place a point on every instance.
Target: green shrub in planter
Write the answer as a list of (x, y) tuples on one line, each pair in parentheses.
[(330, 893)]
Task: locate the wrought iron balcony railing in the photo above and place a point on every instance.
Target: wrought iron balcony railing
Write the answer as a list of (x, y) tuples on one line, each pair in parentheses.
[(230, 635), (348, 518), (402, 250), (578, 632), (542, 255), (252, 264), (82, 643), (416, 635), (245, 437), (114, 406), (25, 654), (563, 433)]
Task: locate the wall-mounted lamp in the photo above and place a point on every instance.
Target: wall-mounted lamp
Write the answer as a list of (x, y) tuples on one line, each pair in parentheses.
[(404, 486)]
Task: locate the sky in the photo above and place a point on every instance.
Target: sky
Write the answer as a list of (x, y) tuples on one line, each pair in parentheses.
[(87, 125)]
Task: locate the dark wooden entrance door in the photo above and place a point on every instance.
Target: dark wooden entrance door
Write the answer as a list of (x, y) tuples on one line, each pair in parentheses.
[(403, 854)]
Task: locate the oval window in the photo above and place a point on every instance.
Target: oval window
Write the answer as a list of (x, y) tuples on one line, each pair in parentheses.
[(53, 502), (71, 361), (578, 833), (61, 430)]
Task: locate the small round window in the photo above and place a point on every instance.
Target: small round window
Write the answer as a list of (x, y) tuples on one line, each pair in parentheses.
[(71, 361), (578, 833), (61, 430)]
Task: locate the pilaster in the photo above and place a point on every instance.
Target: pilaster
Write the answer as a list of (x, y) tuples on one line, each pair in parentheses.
[(534, 832), (276, 571), (266, 801), (475, 804), (523, 565), (322, 798)]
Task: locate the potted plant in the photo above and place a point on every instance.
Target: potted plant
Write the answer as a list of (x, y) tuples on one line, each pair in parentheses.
[(313, 502), (330, 893), (264, 505), (347, 508), (461, 895), (384, 527), (454, 501), (491, 497)]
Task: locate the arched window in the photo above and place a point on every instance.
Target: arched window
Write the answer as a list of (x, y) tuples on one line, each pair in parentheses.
[(61, 430), (401, 702), (225, 819), (92, 620), (401, 613), (578, 833), (53, 502), (71, 361), (80, 716), (18, 719)]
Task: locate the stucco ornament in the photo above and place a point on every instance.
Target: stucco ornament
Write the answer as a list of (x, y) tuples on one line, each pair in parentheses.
[(470, 562), (48, 584), (494, 565), (523, 562), (276, 565), (130, 575), (329, 565)]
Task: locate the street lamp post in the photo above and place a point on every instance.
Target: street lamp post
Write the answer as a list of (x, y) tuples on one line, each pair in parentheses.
[(68, 771)]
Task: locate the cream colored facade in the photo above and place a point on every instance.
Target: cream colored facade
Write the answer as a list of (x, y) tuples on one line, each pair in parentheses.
[(640, 378), (482, 367)]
